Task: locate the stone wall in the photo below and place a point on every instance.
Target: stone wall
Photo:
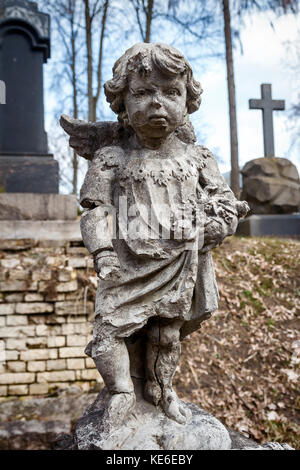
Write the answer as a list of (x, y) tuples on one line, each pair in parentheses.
[(47, 292)]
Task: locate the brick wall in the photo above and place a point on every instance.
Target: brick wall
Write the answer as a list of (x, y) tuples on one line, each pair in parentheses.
[(47, 292)]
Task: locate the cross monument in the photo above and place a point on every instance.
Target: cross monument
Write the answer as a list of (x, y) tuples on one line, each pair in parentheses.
[(267, 105)]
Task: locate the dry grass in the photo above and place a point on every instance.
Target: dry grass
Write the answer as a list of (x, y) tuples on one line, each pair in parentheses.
[(242, 365)]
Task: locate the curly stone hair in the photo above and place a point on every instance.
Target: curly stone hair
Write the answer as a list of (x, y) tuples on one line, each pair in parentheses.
[(142, 57)]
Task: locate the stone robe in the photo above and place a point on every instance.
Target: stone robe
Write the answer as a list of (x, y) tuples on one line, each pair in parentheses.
[(137, 207)]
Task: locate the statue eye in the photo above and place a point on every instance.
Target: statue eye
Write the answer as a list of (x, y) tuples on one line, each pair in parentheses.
[(140, 92), (172, 92)]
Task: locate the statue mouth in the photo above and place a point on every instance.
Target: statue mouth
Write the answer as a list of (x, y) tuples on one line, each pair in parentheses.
[(158, 120)]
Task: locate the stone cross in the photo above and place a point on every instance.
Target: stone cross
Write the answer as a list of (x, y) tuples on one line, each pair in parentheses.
[(267, 105)]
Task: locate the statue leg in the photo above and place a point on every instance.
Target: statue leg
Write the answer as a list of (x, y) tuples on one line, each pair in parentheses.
[(152, 390), (166, 363), (111, 358)]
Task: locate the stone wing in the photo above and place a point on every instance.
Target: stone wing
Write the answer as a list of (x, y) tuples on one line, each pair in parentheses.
[(87, 137)]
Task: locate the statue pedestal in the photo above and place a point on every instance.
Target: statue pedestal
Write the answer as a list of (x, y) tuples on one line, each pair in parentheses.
[(148, 428)]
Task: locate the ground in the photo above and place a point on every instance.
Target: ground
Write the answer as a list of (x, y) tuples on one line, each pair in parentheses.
[(242, 365)]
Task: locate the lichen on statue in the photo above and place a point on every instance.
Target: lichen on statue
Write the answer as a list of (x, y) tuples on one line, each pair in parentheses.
[(155, 205)]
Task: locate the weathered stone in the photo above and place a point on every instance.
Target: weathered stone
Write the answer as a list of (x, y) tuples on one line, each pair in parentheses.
[(73, 308), (57, 364), (17, 331), (76, 340), (40, 230), (31, 435), (271, 186), (15, 320), (8, 286), (36, 366), (75, 364), (19, 274), (16, 297), (34, 307), (3, 391), (81, 262), (7, 309), (71, 352), (16, 245), (38, 389), (30, 206), (148, 282), (280, 225), (33, 343), (89, 363), (10, 263), (12, 355), (16, 366), (67, 274), (36, 297), (148, 428), (38, 354), (91, 374), (67, 286), (18, 390), (13, 343), (42, 275), (61, 376), (56, 341), (18, 378)]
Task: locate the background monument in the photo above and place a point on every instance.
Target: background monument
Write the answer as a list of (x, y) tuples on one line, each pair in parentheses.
[(270, 184), (25, 164), (29, 175)]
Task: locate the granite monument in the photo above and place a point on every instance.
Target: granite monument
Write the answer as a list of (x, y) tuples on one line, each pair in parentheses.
[(25, 164), (271, 185)]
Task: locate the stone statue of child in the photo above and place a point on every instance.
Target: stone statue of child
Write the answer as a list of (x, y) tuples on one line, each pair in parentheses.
[(162, 285)]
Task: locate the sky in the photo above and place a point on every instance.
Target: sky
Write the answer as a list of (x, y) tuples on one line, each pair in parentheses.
[(266, 58)]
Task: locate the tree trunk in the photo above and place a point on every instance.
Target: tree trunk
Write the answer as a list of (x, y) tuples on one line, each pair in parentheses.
[(75, 101), (234, 178), (88, 36), (149, 20), (100, 58)]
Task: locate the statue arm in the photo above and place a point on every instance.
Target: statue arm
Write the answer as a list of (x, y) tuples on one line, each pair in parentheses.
[(97, 220)]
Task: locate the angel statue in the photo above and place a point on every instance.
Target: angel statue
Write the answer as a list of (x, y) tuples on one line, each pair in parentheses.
[(155, 205)]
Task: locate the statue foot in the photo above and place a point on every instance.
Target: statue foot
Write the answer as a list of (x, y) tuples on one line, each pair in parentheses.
[(118, 408), (173, 407), (152, 392)]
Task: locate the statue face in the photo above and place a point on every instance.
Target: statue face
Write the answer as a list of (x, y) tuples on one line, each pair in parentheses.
[(155, 104)]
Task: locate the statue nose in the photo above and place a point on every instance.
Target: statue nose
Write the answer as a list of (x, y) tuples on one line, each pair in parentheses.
[(156, 101)]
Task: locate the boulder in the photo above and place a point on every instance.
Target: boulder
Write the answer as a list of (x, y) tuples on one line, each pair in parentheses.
[(271, 186)]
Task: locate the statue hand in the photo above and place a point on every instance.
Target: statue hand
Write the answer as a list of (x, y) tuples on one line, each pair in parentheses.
[(107, 266), (213, 234)]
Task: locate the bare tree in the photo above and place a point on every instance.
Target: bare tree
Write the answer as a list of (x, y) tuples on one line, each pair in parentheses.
[(144, 8), (92, 10), (66, 18)]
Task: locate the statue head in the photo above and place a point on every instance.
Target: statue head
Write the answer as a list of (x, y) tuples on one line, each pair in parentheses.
[(153, 85)]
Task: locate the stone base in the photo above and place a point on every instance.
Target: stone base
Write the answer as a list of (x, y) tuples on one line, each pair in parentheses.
[(285, 225), (28, 174), (40, 230), (148, 428), (30, 206)]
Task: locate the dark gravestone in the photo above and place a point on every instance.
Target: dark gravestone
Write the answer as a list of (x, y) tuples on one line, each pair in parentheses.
[(25, 165)]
